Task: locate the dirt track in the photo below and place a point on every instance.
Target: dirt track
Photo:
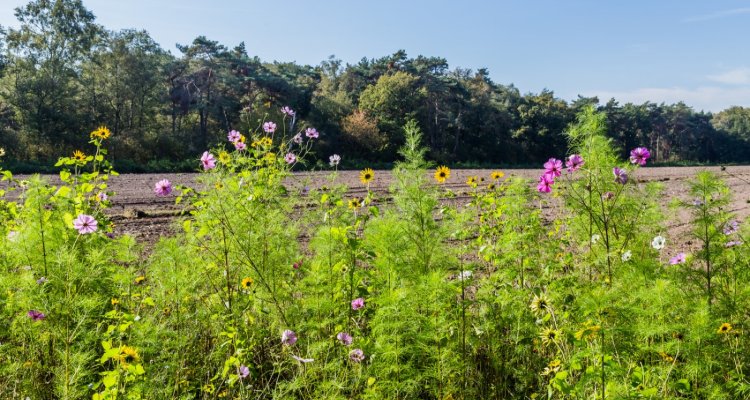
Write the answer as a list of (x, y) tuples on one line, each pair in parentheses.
[(137, 211)]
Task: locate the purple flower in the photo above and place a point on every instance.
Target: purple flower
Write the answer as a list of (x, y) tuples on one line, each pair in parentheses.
[(290, 158), (574, 162), (553, 167), (608, 196), (357, 355), (297, 138), (269, 127), (163, 188), (42, 281), (85, 224), (240, 146), (545, 183), (334, 160), (620, 175), (678, 259), (345, 338), (697, 202), (733, 243), (234, 136), (243, 372), (287, 111), (208, 161), (101, 196), (639, 155), (288, 338), (36, 315), (358, 303), (312, 133), (731, 227)]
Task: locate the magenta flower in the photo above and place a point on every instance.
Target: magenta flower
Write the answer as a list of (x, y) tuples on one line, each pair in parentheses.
[(243, 371), (345, 338), (357, 355), (553, 167), (297, 138), (36, 315), (312, 133), (358, 303), (678, 259), (234, 136), (287, 111), (639, 155), (620, 175), (545, 183), (85, 224), (297, 264), (288, 338), (163, 188), (269, 127), (574, 163), (240, 146), (290, 158), (208, 161)]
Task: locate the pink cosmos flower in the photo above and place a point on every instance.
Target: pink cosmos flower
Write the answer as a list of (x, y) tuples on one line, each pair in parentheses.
[(101, 196), (345, 338), (85, 224), (639, 155), (163, 188), (574, 162), (243, 372), (287, 111), (36, 315), (678, 259), (234, 136), (358, 303), (312, 133), (545, 183), (553, 167), (290, 158), (297, 138), (288, 338), (733, 243), (357, 355), (731, 227), (208, 161), (269, 127), (620, 175), (240, 146), (334, 160)]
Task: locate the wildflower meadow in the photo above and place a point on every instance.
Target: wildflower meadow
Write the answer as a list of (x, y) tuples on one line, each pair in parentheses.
[(275, 291)]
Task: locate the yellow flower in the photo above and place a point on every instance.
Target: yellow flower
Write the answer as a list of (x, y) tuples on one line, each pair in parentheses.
[(2, 151), (79, 156), (588, 332), (472, 181), (139, 279), (242, 138), (355, 203), (550, 336), (101, 133), (247, 282), (442, 174), (540, 305), (128, 354), (491, 186), (724, 328), (366, 176), (497, 175), (115, 301), (224, 157), (666, 357)]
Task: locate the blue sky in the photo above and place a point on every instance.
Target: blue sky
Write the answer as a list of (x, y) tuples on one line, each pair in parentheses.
[(633, 50)]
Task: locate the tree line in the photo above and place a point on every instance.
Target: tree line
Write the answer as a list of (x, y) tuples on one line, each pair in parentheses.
[(62, 75)]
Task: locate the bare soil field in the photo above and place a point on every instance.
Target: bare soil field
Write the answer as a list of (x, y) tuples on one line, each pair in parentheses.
[(137, 211)]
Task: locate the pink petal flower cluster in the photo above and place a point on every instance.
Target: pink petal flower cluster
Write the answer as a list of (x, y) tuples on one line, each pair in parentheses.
[(574, 163), (680, 258), (288, 338), (288, 112), (357, 355), (639, 155), (312, 133), (358, 303), (290, 158), (621, 176), (345, 338), (36, 315), (269, 127), (208, 161), (163, 188), (545, 183)]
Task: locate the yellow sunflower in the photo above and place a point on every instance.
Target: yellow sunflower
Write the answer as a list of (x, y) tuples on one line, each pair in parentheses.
[(128, 354), (79, 156), (224, 157), (101, 133), (355, 203), (497, 175), (540, 305), (472, 181), (550, 336), (724, 328), (366, 176), (442, 174), (140, 279), (247, 282)]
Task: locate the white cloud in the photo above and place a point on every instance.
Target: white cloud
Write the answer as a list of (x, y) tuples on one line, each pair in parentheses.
[(718, 14), (737, 76), (707, 98)]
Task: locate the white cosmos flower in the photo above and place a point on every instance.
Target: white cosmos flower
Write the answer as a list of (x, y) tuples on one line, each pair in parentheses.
[(626, 255), (658, 242), (595, 238)]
